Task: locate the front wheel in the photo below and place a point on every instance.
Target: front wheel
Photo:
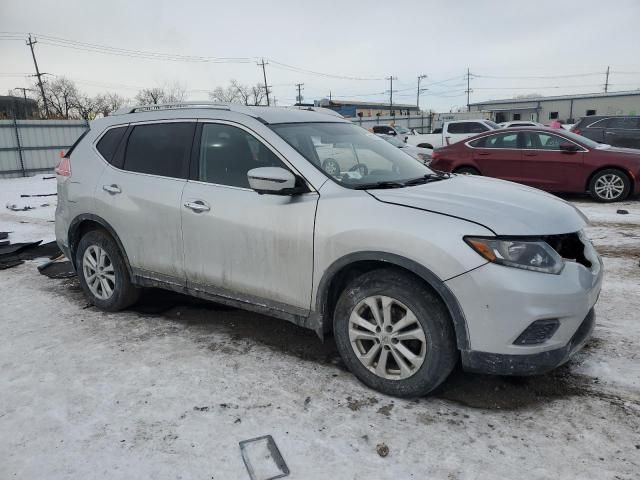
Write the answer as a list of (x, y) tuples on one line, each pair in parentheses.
[(610, 185), (394, 334)]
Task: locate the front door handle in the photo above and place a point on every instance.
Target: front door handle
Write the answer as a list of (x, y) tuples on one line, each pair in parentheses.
[(484, 153), (198, 206), (530, 154), (113, 188)]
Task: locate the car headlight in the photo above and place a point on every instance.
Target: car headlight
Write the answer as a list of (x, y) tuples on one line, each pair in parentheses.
[(535, 255)]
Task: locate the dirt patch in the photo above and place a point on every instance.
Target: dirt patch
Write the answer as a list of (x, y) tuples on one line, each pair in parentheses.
[(386, 410), (509, 393), (357, 404)]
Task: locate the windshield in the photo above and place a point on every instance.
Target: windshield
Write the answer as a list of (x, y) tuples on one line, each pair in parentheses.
[(584, 140), (494, 125), (350, 155), (400, 129)]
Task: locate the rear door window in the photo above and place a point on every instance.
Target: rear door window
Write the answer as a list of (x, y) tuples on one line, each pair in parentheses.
[(161, 149), (503, 140), (543, 141), (109, 142)]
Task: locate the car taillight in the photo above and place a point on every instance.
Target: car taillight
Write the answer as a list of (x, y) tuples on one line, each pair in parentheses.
[(64, 167), (575, 130)]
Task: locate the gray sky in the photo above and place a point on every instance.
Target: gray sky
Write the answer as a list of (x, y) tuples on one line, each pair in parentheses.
[(366, 39)]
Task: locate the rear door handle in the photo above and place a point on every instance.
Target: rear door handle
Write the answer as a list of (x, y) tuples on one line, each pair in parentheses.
[(484, 153), (198, 206), (113, 188), (530, 154)]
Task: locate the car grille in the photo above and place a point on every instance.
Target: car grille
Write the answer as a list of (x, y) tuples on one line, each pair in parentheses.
[(570, 247)]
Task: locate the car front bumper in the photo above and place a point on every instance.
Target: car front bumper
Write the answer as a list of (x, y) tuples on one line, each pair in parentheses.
[(500, 303), (532, 363)]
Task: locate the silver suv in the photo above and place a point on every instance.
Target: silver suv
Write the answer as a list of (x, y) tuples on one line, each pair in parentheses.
[(409, 269)]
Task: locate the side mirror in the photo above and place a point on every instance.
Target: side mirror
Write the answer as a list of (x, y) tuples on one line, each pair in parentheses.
[(274, 181), (569, 147)]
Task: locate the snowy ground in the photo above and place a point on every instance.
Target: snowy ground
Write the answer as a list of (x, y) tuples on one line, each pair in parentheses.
[(169, 389)]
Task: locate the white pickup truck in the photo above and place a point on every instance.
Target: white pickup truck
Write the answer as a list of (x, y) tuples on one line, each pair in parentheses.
[(451, 132)]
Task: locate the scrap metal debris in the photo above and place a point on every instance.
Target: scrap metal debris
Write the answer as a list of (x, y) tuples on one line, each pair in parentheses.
[(263, 459), (54, 269), (14, 207), (39, 195)]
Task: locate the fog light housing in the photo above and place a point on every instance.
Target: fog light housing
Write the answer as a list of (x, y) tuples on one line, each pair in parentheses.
[(538, 332)]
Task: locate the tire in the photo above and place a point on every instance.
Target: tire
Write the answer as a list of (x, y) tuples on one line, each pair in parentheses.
[(113, 275), (610, 185), (467, 171), (437, 348)]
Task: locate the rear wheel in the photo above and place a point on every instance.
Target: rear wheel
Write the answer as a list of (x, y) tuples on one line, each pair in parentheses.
[(467, 171), (103, 274), (610, 185), (394, 334)]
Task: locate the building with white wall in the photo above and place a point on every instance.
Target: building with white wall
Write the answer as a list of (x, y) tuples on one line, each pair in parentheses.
[(566, 108)]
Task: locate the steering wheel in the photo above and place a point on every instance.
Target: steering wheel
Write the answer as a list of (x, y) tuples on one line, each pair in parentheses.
[(360, 167)]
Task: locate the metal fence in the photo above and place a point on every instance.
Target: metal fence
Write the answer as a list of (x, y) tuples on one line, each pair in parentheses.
[(421, 123), (32, 146)]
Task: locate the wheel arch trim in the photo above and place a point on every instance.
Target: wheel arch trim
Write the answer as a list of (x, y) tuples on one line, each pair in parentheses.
[(74, 230), (391, 259)]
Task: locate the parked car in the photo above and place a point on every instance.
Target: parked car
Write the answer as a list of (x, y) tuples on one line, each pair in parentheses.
[(549, 159), (520, 123), (452, 132), (393, 130), (618, 131), (409, 268), (421, 154)]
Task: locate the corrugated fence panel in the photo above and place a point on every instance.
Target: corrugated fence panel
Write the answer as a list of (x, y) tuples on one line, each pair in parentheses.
[(40, 144)]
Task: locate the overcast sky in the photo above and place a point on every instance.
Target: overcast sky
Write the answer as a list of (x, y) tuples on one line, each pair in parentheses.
[(360, 39)]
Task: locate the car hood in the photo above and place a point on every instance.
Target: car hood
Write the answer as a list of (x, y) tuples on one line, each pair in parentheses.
[(506, 208), (631, 152)]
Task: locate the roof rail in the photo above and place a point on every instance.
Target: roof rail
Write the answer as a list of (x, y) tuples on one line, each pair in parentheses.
[(171, 106)]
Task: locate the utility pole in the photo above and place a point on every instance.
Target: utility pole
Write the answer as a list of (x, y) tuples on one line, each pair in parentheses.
[(606, 82), (420, 77), (31, 43), (468, 90), (264, 74), (24, 92), (391, 78), (329, 96), (299, 97)]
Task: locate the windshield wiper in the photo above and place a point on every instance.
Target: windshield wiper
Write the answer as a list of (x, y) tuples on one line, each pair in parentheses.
[(385, 184), (429, 177)]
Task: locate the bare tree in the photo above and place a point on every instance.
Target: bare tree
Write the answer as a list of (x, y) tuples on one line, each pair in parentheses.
[(62, 97), (166, 94), (88, 107), (230, 94), (110, 102), (239, 93), (150, 96)]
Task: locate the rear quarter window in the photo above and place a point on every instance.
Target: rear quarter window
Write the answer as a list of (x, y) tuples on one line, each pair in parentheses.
[(108, 144)]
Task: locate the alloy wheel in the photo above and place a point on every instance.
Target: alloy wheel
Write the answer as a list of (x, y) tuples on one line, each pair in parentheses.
[(98, 272), (609, 186), (387, 337)]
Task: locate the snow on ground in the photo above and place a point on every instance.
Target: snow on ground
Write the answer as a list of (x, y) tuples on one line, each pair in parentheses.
[(30, 225), (169, 389)]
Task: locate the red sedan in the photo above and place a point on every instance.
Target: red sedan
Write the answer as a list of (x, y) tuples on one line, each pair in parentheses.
[(545, 158)]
